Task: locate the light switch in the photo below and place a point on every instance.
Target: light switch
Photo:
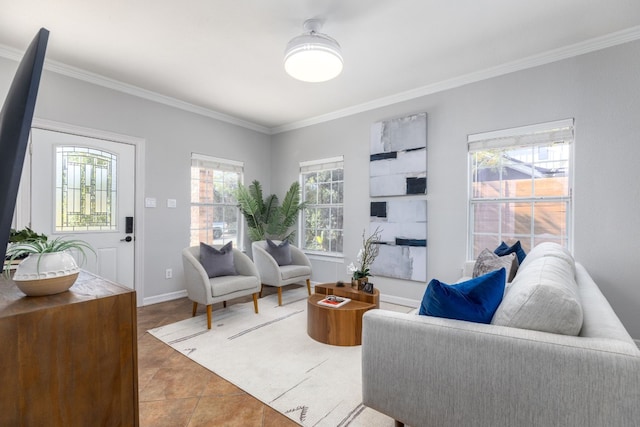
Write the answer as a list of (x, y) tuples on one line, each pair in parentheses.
[(150, 202), (171, 203)]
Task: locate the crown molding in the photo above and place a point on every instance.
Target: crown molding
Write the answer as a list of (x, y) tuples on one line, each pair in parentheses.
[(587, 46), (93, 78)]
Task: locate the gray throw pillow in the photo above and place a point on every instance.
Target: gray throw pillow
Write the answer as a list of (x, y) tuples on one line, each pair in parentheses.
[(217, 262), (488, 261), (281, 253)]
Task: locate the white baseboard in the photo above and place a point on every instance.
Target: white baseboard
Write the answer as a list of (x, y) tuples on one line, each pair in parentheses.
[(407, 302), (165, 297)]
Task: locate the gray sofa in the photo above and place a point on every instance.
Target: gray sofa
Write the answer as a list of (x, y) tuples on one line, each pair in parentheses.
[(429, 371)]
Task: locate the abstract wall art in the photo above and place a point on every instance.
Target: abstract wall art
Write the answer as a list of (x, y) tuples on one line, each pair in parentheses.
[(397, 186), (403, 241), (398, 156)]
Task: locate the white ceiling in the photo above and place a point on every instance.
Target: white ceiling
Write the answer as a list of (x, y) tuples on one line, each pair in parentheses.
[(225, 56)]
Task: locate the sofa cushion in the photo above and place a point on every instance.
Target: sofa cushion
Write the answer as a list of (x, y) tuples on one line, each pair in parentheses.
[(516, 248), (475, 300), (548, 249), (544, 297), (217, 262), (280, 252), (488, 261)]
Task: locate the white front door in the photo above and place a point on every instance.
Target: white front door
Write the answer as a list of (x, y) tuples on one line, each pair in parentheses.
[(84, 188)]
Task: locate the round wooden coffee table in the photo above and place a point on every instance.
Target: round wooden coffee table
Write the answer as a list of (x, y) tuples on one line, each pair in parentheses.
[(342, 325)]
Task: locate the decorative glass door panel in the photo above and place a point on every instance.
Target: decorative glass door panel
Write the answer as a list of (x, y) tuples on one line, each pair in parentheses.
[(86, 189)]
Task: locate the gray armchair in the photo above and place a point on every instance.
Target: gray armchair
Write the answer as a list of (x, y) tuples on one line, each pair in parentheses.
[(204, 290), (272, 274)]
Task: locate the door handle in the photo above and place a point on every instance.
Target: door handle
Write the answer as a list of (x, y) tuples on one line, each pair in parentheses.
[(127, 239)]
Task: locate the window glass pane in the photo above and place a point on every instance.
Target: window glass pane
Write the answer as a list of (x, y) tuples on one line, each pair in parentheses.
[(324, 193), (554, 183), (336, 192), (486, 174), (486, 218), (550, 220)]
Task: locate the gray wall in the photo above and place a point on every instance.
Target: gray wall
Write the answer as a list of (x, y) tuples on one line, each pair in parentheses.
[(171, 135), (601, 90)]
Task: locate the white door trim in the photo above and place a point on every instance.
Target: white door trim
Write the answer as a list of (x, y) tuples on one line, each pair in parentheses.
[(139, 144)]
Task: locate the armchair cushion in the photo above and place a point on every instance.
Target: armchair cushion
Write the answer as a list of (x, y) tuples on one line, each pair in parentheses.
[(475, 300), (280, 252), (217, 262), (291, 271), (225, 285)]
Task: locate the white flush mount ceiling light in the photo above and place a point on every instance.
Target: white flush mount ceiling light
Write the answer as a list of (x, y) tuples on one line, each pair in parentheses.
[(313, 56)]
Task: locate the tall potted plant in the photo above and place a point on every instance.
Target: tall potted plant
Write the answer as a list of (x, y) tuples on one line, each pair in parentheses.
[(266, 217)]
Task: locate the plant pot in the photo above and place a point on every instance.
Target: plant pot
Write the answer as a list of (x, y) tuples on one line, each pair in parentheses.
[(359, 283), (46, 274)]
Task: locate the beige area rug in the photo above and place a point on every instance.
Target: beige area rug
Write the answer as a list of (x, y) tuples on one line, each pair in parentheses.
[(270, 356)]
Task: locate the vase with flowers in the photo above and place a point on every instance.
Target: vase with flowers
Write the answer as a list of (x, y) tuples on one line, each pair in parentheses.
[(366, 255)]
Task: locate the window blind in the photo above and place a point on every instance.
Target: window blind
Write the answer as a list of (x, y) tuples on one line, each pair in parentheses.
[(204, 161), (558, 132), (322, 164)]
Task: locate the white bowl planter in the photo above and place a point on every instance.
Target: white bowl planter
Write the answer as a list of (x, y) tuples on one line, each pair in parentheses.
[(46, 273)]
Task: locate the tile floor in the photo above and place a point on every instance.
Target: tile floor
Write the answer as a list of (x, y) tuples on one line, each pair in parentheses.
[(177, 392)]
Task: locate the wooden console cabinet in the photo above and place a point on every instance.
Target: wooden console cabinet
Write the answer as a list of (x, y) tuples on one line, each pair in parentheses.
[(69, 359)]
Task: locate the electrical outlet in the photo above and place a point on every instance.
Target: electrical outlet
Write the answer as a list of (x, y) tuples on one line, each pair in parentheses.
[(168, 273)]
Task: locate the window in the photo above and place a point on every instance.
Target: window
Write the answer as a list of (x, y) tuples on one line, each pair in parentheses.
[(322, 190), (215, 217), (520, 186)]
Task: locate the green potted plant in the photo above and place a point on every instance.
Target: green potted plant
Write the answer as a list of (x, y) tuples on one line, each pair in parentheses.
[(266, 217), (17, 236), (366, 255), (23, 235), (48, 267)]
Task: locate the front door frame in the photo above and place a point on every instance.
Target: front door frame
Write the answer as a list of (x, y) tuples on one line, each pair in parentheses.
[(139, 144)]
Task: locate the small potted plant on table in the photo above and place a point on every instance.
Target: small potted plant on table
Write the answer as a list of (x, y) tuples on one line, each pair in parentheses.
[(366, 255), (48, 268)]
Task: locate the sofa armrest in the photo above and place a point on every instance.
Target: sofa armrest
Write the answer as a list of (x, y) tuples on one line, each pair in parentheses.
[(424, 370)]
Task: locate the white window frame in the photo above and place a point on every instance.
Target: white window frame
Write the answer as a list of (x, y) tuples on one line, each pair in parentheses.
[(526, 136), (219, 164), (317, 166)]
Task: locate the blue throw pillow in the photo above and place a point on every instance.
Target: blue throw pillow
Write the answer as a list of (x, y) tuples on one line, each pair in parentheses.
[(217, 262), (505, 249), (281, 253), (475, 300)]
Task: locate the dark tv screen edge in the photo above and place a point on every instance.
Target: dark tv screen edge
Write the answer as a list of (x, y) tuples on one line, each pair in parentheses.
[(15, 124)]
